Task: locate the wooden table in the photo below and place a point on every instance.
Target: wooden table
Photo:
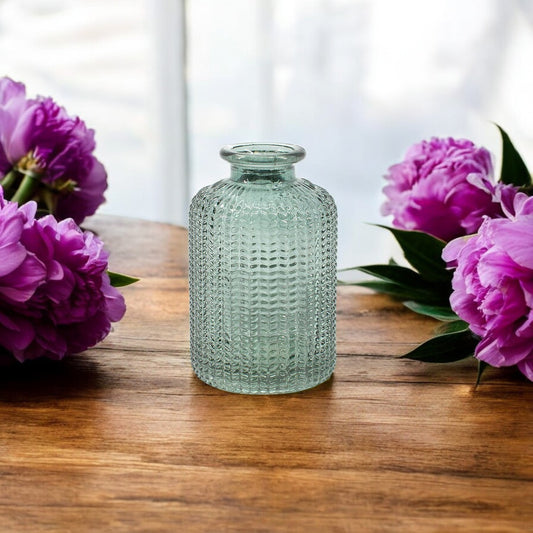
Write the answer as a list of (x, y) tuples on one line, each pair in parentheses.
[(125, 438)]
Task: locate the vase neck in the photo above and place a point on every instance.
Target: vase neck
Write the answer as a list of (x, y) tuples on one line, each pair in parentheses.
[(262, 162), (258, 175)]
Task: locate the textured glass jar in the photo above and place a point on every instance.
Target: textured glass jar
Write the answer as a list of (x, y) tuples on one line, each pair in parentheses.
[(262, 275)]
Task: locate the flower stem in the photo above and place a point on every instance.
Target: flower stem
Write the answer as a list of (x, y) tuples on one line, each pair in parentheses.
[(26, 190), (9, 180)]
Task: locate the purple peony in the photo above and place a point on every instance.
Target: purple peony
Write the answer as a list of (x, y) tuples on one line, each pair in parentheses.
[(55, 294), (38, 138), (443, 187), (20, 272), (493, 286)]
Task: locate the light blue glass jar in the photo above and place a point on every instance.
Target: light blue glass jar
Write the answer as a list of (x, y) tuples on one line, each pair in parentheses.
[(262, 275)]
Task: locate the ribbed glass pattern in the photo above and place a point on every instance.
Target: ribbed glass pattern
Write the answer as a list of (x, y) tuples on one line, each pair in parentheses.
[(262, 277)]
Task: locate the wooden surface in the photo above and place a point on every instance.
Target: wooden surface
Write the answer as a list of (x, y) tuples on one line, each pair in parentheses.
[(125, 438)]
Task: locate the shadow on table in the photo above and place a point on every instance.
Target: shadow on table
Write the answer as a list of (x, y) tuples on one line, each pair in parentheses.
[(45, 379)]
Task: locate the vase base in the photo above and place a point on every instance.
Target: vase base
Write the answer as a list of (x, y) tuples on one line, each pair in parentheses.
[(266, 390)]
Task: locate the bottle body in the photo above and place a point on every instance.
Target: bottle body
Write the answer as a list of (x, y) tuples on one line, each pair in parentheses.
[(262, 278)]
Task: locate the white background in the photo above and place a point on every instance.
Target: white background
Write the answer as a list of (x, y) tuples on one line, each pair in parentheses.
[(165, 83)]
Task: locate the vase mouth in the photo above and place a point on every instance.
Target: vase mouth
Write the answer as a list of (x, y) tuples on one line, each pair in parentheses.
[(259, 154)]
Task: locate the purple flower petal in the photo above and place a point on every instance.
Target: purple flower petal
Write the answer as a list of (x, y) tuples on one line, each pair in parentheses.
[(59, 149), (512, 238), (493, 286), (55, 294), (526, 367), (444, 187)]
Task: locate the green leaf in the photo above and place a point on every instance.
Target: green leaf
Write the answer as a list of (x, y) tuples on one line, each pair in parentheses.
[(400, 292), (435, 311), (514, 170), (445, 348), (481, 366), (120, 280), (398, 274), (423, 251), (346, 269), (451, 327), (418, 288)]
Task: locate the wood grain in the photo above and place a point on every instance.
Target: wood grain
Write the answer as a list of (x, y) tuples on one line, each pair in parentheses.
[(125, 438)]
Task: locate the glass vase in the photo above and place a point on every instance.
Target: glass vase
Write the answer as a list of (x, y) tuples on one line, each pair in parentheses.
[(262, 275)]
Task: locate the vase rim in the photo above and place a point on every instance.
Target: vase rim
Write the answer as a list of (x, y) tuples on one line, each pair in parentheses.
[(271, 154)]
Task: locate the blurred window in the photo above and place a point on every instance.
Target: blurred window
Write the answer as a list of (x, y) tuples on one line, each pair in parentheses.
[(165, 83)]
